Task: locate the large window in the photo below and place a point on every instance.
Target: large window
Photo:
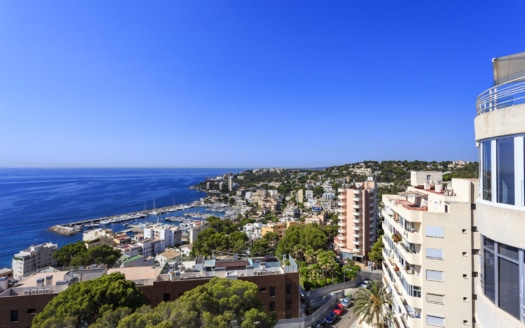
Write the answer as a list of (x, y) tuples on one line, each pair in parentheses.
[(486, 170), (505, 170), (501, 275)]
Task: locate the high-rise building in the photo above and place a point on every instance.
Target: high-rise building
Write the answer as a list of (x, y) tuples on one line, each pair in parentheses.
[(500, 130), (428, 259), (358, 217), (34, 258)]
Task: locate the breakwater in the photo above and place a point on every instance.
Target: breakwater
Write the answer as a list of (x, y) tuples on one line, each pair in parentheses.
[(72, 228)]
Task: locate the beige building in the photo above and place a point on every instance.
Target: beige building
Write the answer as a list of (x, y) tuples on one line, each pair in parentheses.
[(499, 131), (358, 218), (98, 237), (428, 259), (32, 259)]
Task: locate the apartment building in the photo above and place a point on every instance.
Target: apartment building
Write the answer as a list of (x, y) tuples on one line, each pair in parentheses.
[(358, 218), (33, 258), (428, 251), (172, 236), (499, 132), (98, 237)]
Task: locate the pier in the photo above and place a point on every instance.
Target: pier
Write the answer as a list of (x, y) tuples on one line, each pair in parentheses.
[(69, 229)]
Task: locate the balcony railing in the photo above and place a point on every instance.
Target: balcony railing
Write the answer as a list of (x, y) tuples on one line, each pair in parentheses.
[(504, 95)]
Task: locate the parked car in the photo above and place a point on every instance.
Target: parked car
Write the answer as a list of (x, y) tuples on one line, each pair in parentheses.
[(365, 283), (346, 301), (339, 309), (319, 324), (331, 317)]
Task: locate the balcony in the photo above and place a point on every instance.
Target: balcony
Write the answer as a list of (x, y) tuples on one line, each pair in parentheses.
[(356, 206), (341, 196), (341, 231), (341, 210), (357, 221), (356, 192), (356, 213), (341, 237), (357, 243), (342, 223), (409, 255), (341, 191), (357, 199), (342, 204), (502, 95), (357, 227)]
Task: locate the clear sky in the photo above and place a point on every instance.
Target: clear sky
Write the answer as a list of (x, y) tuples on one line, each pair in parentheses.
[(245, 83)]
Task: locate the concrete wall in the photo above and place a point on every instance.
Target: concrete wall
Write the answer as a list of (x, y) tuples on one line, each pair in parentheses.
[(501, 122)]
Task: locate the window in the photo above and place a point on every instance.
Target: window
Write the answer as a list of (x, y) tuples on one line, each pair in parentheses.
[(262, 289), (434, 253), (271, 306), (31, 311), (288, 289), (434, 232), (166, 297), (508, 287), (14, 315), (505, 170), (501, 273), (288, 304), (435, 320), (272, 291), (435, 298), (486, 170), (435, 275)]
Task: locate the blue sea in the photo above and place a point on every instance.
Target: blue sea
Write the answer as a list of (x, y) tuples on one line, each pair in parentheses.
[(32, 200)]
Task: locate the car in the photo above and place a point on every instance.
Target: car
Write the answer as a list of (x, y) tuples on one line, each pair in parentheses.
[(346, 302), (331, 317), (339, 309), (365, 283), (319, 324)]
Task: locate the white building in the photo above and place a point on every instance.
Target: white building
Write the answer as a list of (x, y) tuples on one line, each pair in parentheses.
[(172, 236), (32, 259), (428, 259), (499, 132)]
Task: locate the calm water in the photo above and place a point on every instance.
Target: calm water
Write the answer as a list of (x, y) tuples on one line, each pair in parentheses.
[(32, 200)]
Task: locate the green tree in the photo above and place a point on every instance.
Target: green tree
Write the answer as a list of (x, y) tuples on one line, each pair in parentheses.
[(84, 303), (214, 304), (350, 270), (372, 305), (65, 254), (376, 253)]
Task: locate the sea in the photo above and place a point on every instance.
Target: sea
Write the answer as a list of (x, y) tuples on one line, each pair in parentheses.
[(32, 200)]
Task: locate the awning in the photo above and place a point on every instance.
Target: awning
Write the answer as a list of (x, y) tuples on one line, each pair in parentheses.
[(508, 68)]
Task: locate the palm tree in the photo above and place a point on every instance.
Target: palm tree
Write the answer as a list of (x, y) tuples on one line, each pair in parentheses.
[(373, 304)]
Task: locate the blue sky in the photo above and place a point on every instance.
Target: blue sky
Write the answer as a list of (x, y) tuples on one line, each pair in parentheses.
[(245, 83)]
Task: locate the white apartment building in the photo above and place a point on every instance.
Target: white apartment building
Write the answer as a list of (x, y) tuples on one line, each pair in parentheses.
[(500, 132), (32, 259), (358, 218), (428, 251), (171, 235)]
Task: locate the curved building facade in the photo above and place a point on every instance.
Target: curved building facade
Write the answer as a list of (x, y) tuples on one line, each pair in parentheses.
[(500, 133)]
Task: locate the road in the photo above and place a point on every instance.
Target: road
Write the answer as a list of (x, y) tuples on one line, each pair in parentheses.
[(348, 318)]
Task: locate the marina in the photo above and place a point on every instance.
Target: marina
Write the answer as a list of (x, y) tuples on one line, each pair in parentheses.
[(76, 227)]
